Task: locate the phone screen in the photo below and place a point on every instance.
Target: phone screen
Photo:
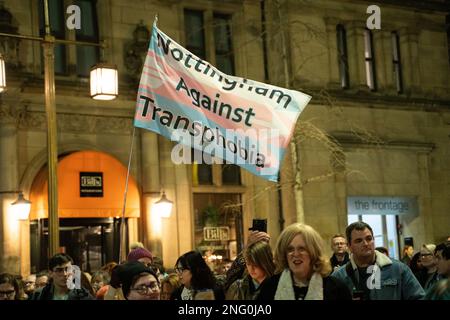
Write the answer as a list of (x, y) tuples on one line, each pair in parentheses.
[(259, 225)]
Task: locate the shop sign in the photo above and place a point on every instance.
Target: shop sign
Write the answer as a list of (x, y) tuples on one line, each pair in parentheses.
[(91, 184), (216, 233), (382, 205)]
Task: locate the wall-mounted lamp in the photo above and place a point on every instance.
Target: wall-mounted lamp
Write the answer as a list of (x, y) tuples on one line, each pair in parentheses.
[(163, 207), (104, 82), (21, 207)]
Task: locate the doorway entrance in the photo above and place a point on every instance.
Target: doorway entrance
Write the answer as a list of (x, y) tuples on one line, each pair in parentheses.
[(90, 242), (90, 204)]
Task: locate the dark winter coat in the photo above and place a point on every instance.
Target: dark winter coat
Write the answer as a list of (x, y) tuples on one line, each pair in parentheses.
[(46, 293)]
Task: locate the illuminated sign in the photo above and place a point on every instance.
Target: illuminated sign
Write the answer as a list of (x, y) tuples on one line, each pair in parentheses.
[(91, 184), (216, 233)]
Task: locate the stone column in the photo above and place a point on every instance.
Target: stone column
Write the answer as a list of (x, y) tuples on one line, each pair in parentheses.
[(333, 60), (382, 54), (9, 226), (356, 59), (409, 53), (150, 189)]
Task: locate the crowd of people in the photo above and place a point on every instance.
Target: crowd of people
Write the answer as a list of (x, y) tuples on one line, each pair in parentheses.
[(296, 269)]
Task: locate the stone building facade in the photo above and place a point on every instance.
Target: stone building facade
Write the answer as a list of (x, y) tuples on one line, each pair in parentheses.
[(387, 142)]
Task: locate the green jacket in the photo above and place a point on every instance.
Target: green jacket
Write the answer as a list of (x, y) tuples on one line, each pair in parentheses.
[(242, 289)]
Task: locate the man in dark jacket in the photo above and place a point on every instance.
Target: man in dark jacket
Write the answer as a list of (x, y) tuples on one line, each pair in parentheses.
[(61, 286), (340, 254)]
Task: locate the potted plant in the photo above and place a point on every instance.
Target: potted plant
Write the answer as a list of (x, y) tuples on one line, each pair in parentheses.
[(211, 216)]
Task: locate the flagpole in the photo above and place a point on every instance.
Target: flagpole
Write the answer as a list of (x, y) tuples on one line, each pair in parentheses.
[(123, 242)]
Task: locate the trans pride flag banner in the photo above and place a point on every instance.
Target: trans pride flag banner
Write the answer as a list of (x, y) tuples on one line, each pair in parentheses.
[(240, 121)]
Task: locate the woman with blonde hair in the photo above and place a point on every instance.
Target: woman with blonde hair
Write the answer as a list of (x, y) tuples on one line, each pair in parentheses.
[(428, 276), (169, 284), (260, 266), (302, 269)]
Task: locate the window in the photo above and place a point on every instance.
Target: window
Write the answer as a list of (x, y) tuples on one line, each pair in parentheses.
[(370, 62), (57, 29), (396, 62), (342, 56), (194, 22), (223, 45), (195, 35), (86, 56)]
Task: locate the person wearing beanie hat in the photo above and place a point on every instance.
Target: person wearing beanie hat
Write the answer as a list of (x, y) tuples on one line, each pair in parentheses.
[(138, 282), (141, 255)]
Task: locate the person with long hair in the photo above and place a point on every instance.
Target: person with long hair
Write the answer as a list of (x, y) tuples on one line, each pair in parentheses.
[(196, 278), (260, 266), (169, 284), (428, 276), (302, 269)]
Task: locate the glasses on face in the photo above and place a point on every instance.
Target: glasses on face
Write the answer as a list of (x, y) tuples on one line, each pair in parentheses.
[(7, 294), (180, 269), (146, 289)]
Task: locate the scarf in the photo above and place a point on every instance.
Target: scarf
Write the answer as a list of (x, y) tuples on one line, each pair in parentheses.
[(186, 294), (285, 288)]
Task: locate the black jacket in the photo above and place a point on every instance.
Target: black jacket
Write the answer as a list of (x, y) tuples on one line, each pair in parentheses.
[(335, 263), (46, 293), (333, 289)]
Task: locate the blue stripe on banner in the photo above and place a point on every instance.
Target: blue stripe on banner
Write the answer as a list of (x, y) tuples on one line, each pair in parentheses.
[(154, 41)]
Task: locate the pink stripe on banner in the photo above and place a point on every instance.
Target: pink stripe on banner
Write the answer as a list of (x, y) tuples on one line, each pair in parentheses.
[(154, 69), (151, 75), (173, 77)]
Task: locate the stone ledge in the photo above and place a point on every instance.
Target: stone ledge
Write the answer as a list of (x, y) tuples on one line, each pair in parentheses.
[(348, 140)]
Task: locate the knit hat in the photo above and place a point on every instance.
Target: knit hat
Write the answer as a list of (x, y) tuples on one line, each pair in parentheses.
[(139, 253), (128, 271)]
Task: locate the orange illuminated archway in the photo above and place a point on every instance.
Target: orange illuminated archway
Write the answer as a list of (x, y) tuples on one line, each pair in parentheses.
[(71, 204)]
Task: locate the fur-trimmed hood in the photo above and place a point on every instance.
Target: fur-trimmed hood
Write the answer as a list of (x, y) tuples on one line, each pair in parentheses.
[(381, 260)]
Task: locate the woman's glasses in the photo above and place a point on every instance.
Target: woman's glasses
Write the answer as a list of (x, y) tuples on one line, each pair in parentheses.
[(147, 288), (180, 269)]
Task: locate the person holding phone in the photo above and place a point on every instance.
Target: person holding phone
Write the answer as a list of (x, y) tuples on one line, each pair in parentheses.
[(238, 266)]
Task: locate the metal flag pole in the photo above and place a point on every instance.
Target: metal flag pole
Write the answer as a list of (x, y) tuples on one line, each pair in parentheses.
[(123, 242)]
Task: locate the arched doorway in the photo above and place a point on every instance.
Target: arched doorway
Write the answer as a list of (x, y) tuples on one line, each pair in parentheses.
[(90, 202)]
